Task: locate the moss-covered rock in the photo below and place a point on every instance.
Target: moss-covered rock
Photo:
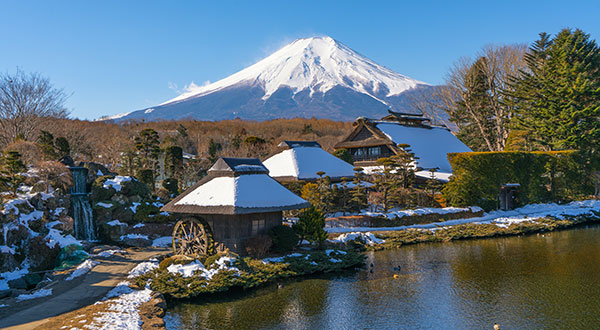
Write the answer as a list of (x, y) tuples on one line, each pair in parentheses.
[(150, 212), (99, 193)]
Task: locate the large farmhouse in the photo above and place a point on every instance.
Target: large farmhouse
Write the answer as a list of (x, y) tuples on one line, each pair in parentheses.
[(374, 139), (301, 160)]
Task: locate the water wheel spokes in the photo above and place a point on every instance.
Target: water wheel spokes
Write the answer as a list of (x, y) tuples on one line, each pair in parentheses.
[(191, 237)]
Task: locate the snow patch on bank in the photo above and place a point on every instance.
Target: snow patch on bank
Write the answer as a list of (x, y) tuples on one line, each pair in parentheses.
[(37, 294), (367, 238), (82, 269), (526, 213), (197, 268)]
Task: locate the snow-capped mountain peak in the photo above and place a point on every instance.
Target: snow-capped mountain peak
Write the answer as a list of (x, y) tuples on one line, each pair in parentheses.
[(316, 64)]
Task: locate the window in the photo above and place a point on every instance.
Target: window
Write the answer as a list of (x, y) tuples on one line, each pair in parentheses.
[(374, 151), (258, 226)]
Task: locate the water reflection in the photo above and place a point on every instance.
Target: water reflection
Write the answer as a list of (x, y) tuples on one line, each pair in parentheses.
[(535, 282)]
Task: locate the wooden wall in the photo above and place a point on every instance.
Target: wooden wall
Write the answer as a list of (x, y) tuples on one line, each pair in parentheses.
[(234, 230)]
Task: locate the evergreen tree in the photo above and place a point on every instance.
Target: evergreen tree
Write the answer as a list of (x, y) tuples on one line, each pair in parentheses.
[(559, 94), (11, 167), (46, 142), (214, 149), (311, 226), (358, 194), (62, 147), (173, 161), (147, 145), (344, 155)]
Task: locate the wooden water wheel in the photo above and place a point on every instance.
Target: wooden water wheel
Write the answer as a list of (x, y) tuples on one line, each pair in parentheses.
[(192, 237)]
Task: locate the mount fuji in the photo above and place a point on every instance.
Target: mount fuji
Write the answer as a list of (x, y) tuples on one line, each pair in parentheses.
[(312, 77)]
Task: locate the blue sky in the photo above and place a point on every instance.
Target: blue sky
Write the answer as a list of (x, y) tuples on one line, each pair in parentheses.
[(119, 56)]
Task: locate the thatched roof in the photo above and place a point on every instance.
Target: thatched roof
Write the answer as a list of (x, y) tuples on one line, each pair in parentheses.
[(236, 186), (304, 160)]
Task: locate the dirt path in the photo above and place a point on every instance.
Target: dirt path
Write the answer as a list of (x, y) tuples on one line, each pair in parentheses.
[(68, 296)]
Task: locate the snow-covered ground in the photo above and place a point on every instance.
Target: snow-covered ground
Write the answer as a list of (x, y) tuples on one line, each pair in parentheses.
[(500, 218), (123, 310)]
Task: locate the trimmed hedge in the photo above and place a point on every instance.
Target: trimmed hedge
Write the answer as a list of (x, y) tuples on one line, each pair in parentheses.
[(556, 176)]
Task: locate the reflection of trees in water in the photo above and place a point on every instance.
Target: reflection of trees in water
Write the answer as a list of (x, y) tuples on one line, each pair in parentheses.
[(264, 307), (538, 281)]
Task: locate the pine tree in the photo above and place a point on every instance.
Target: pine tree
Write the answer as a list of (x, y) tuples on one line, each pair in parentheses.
[(62, 147), (46, 142), (559, 93), (147, 145), (358, 194), (11, 167), (214, 149)]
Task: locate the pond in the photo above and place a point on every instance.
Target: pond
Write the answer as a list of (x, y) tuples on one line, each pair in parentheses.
[(549, 281)]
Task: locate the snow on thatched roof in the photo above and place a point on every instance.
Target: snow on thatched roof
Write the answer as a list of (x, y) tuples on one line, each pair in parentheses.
[(431, 145), (236, 186), (302, 162)]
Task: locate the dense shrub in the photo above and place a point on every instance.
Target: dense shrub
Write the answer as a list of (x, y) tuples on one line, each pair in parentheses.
[(176, 259), (284, 238), (258, 246), (556, 176), (311, 226)]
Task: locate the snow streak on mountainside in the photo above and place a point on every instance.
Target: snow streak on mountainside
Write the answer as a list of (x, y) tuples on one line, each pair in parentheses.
[(313, 77)]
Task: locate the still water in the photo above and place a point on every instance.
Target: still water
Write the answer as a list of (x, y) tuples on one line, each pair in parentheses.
[(549, 281)]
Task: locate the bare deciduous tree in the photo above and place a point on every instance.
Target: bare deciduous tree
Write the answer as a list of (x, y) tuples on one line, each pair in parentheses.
[(26, 100), (476, 95)]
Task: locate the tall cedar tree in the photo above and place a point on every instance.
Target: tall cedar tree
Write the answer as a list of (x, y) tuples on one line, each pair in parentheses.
[(173, 161), (147, 144), (559, 93)]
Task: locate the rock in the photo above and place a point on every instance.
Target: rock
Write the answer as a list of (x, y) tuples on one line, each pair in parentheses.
[(95, 170), (18, 283), (137, 242), (100, 248), (123, 213), (5, 293), (32, 279), (98, 193), (8, 262), (66, 224), (102, 214), (135, 199), (24, 208), (135, 188), (37, 225), (39, 187), (67, 160), (18, 292), (17, 236), (112, 233), (120, 199)]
